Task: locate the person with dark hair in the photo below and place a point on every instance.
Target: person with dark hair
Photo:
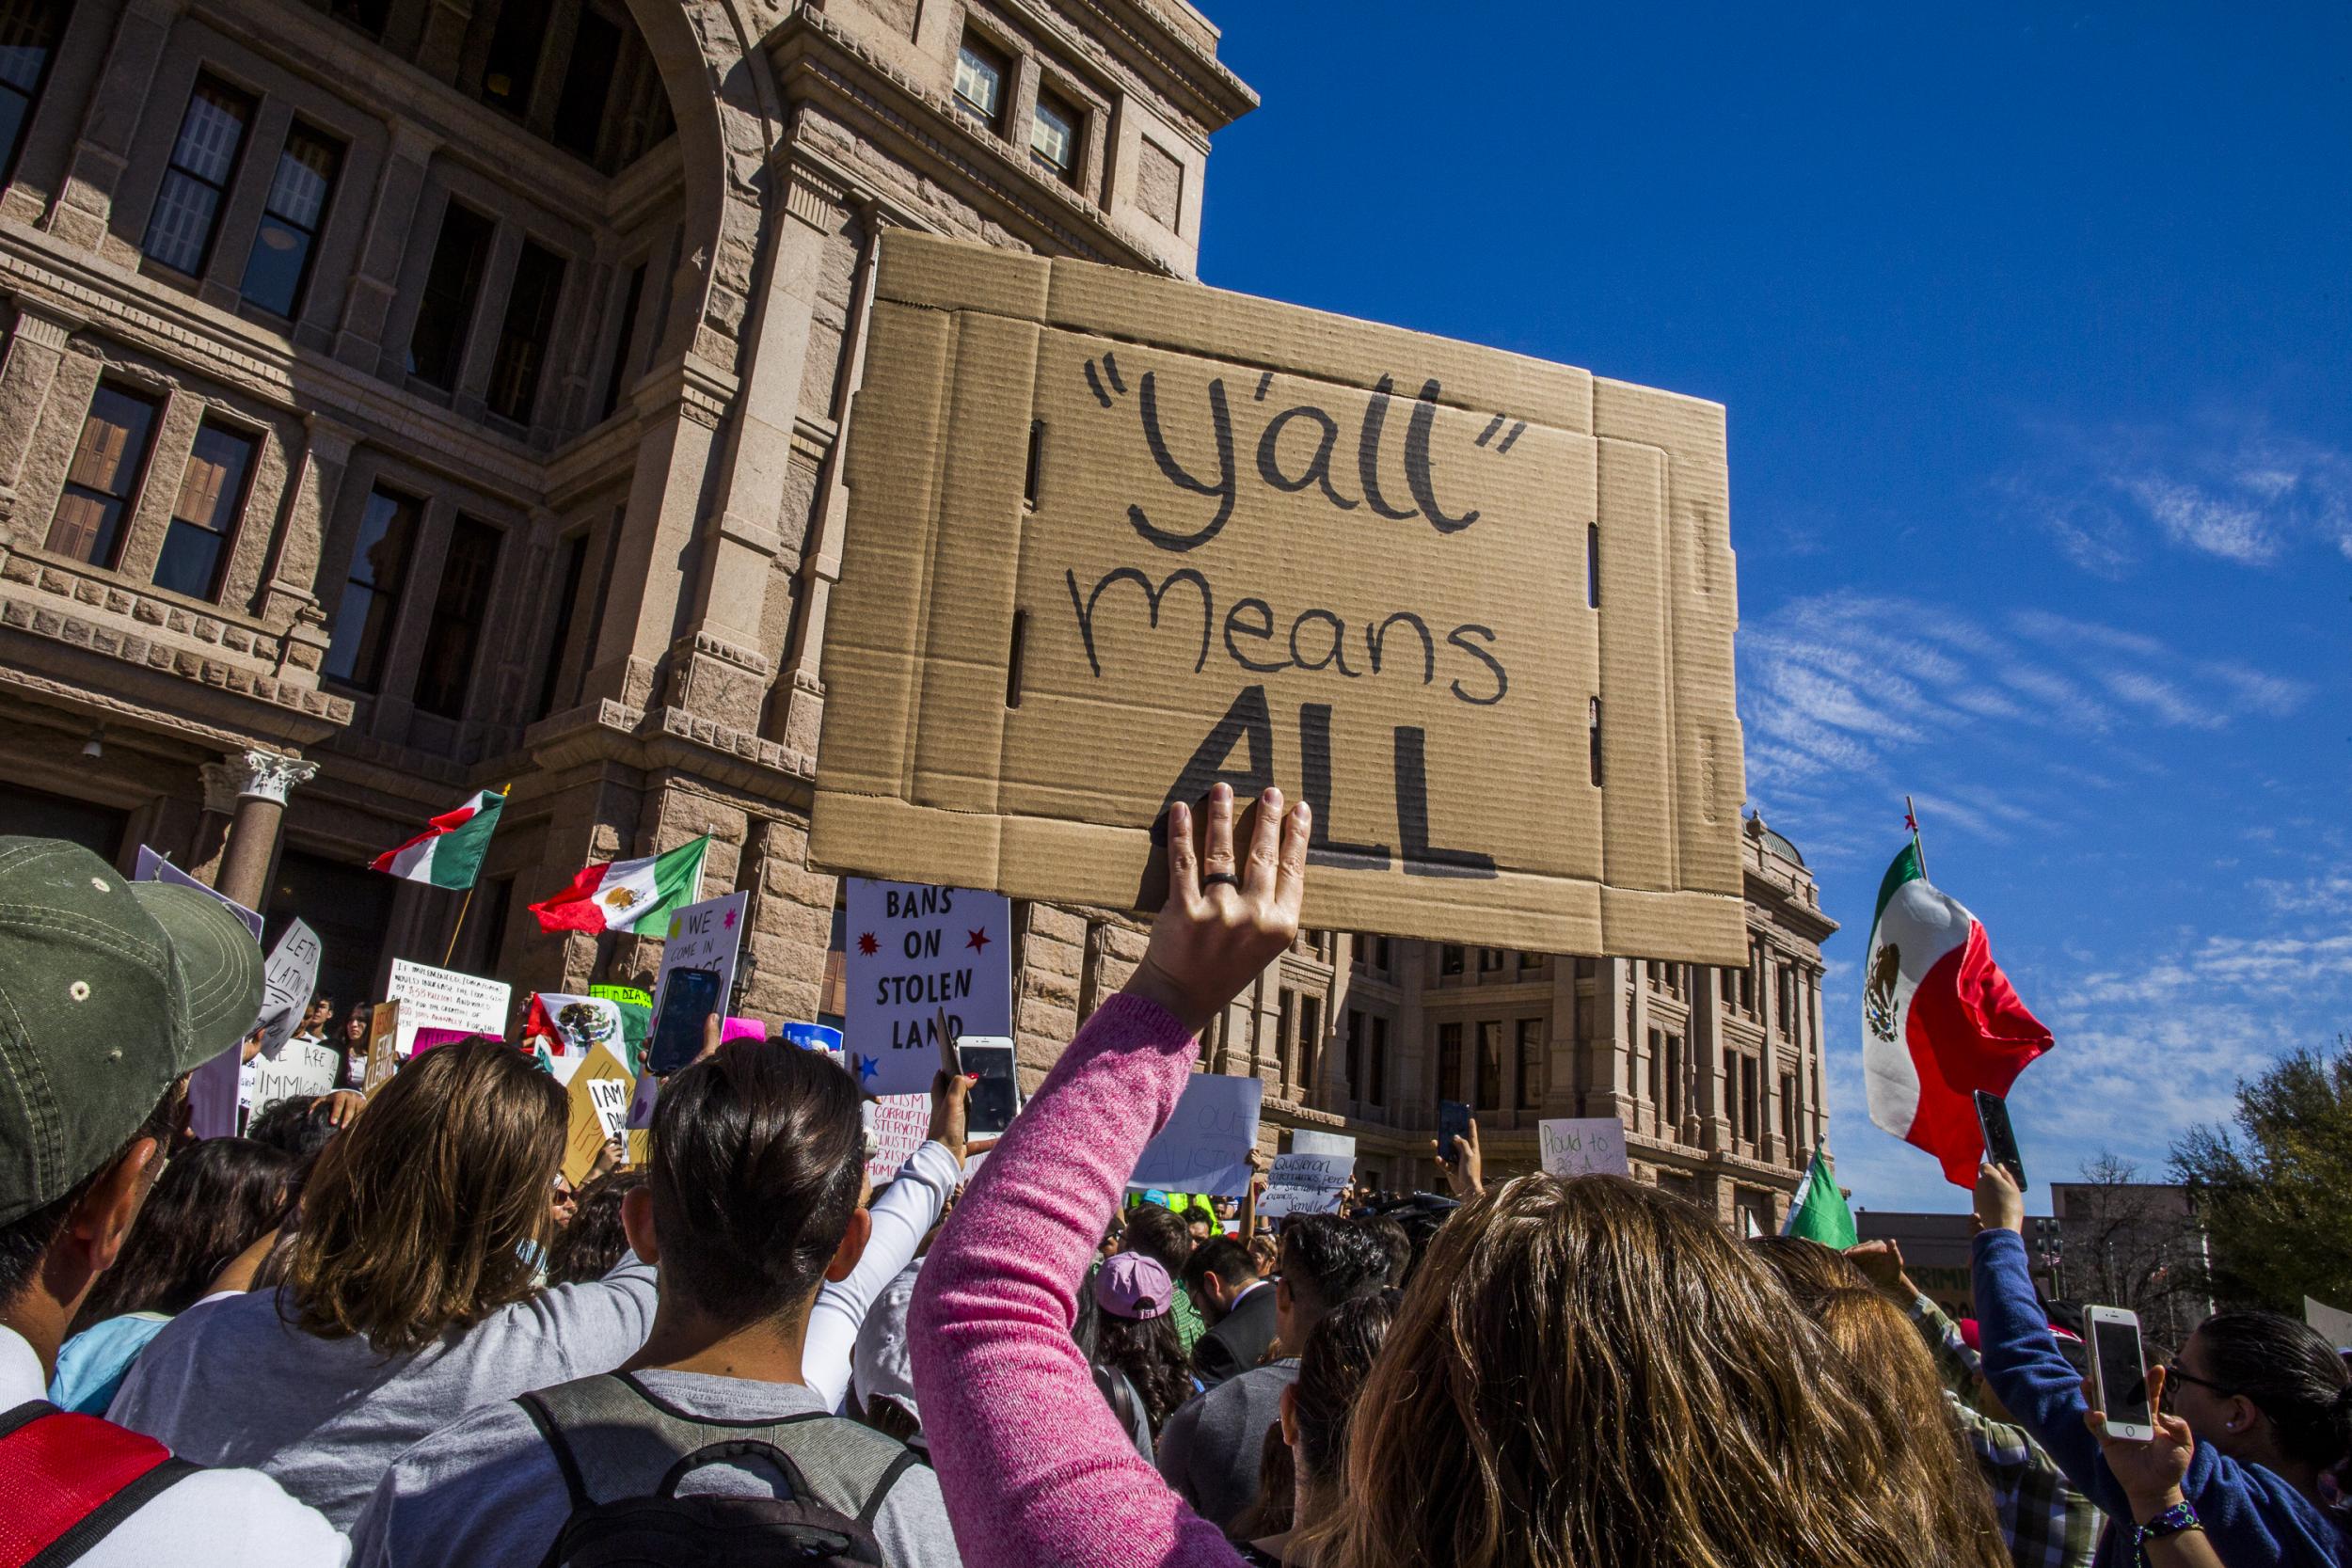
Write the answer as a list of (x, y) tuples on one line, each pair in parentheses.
[(303, 1124), (411, 1296), (209, 1205), (112, 992), (752, 1201), (1395, 1244), (1235, 1300), (2266, 1398), (1317, 1412), (595, 1241), (1130, 1341), (1209, 1449), (1159, 1235), (351, 1042)]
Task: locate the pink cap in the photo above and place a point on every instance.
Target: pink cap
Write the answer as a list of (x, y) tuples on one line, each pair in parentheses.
[(1130, 1285)]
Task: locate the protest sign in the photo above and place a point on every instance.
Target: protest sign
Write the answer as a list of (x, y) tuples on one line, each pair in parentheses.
[(629, 995), (1307, 1141), (900, 1122), (383, 1047), (813, 1037), (1112, 538), (599, 1095), (288, 979), (1583, 1145), (1306, 1184), (741, 1029), (913, 955), (213, 1087), (300, 1068), (445, 999), (1205, 1145), (698, 975), (2333, 1324)]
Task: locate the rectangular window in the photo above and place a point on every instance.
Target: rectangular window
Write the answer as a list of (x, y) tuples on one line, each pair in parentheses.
[(1490, 960), (1788, 1115), (1658, 1072), (278, 267), (1450, 958), (575, 566), (28, 41), (1310, 1039), (1531, 1063), (1750, 1104), (1054, 136), (524, 336), (436, 345), (587, 83), (1381, 960), (1674, 1078), (103, 476), (1449, 1061), (212, 497), (1528, 960), (453, 636), (203, 159), (1286, 1039), (1490, 1065), (1355, 1053), (369, 16), (362, 633), (980, 73), (514, 57), (1731, 1091), (616, 378), (1380, 1064)]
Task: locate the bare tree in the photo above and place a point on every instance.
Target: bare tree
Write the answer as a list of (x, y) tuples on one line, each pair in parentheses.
[(2126, 1242)]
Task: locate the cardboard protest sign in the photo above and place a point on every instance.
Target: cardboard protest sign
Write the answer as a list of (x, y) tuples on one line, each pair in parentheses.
[(213, 1088), (1113, 538), (599, 1095), (697, 974), (300, 1068), (915, 953), (1306, 1184), (383, 1047), (288, 979), (446, 998), (899, 1123), (1583, 1145), (1205, 1145)]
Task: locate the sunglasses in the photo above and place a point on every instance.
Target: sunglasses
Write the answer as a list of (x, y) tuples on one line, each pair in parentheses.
[(2175, 1373)]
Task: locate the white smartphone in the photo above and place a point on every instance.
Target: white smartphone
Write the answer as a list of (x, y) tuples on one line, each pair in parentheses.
[(2119, 1374), (996, 1098)]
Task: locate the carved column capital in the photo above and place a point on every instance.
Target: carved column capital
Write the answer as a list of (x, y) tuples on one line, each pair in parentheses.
[(255, 774)]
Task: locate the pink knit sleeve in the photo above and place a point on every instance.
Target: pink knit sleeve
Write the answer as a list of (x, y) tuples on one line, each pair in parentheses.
[(1035, 1468)]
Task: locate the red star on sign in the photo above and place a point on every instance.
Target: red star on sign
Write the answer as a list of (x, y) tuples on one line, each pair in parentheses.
[(978, 942), (867, 945), (730, 920)]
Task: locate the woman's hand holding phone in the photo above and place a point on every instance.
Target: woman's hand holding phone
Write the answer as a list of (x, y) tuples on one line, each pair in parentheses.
[(1999, 1205), (2149, 1472)]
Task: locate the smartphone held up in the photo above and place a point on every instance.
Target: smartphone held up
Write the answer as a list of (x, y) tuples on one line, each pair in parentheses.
[(2119, 1373), (2000, 1138)]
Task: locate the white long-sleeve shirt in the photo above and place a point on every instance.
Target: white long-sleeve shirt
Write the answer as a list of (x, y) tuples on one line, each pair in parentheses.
[(904, 1212)]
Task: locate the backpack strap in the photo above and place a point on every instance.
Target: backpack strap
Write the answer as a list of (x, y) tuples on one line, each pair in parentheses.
[(552, 1432), (881, 1494), (72, 1480)]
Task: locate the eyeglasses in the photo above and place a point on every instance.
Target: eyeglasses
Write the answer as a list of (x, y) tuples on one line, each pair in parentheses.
[(2175, 1373)]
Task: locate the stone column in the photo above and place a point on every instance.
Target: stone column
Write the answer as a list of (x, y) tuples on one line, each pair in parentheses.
[(36, 348), (391, 221), (84, 206), (1706, 1046), (260, 779), (290, 594), (1819, 1112)]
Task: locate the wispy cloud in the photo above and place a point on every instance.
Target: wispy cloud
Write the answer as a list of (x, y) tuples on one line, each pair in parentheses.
[(2225, 484)]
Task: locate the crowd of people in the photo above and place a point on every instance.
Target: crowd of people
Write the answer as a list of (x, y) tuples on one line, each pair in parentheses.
[(382, 1330)]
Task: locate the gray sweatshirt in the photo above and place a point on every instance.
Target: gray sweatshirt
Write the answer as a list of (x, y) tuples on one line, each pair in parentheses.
[(232, 1384)]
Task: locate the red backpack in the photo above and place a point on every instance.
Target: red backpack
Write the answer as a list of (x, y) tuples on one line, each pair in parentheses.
[(66, 1480)]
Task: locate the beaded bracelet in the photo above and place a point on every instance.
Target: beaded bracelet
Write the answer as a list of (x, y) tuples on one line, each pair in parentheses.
[(2172, 1521)]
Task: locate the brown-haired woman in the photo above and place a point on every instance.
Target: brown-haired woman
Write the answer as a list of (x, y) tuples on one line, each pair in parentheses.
[(1588, 1372), (411, 1297)]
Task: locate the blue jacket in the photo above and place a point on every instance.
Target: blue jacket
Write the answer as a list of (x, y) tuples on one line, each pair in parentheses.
[(2253, 1519)]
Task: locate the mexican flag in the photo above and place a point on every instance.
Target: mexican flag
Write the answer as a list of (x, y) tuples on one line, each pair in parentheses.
[(1939, 1020), (449, 852), (621, 896), (1818, 1211), (577, 1025)]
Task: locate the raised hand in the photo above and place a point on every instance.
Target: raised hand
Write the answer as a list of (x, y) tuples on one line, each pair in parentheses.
[(1225, 919)]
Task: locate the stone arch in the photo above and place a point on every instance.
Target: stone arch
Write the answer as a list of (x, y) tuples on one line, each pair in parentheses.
[(730, 116)]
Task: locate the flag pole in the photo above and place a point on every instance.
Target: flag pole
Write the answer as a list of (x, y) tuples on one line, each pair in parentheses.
[(1911, 820), (448, 955)]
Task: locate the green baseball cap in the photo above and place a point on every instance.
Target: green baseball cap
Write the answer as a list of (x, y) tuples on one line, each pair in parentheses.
[(109, 989)]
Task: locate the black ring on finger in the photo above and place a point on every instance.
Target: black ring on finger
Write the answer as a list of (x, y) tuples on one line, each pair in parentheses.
[(1222, 878)]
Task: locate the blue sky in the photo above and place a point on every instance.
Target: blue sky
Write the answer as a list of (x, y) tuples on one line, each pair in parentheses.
[(2034, 326)]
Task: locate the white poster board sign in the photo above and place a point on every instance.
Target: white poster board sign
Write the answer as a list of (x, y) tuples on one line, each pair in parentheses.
[(913, 953), (899, 1123), (611, 1098), (1307, 1141), (445, 999), (1583, 1145), (1306, 1184), (287, 981), (705, 938), (2333, 1324), (302, 1066), (1205, 1145), (217, 1088)]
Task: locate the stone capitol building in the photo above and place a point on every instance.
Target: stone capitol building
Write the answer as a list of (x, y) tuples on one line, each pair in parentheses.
[(401, 398)]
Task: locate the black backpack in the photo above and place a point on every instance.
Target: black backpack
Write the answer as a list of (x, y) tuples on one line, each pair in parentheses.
[(623, 1452)]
